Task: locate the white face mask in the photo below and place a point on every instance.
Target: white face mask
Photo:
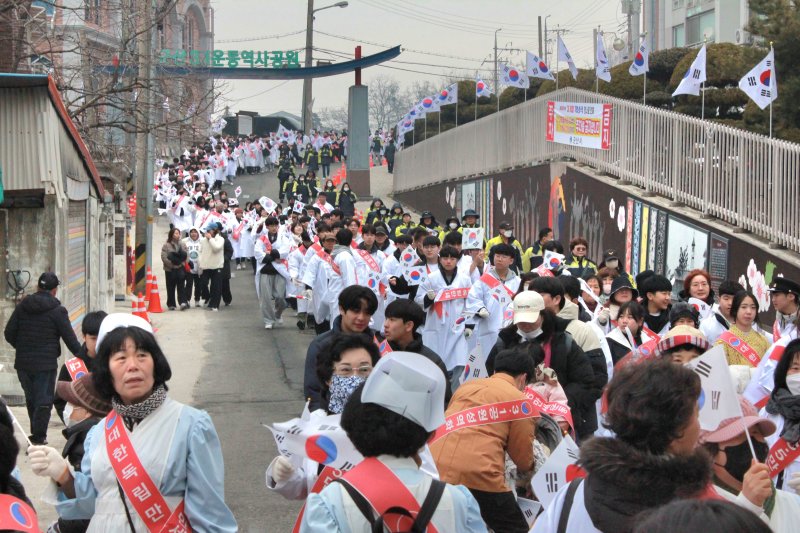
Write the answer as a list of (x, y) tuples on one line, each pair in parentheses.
[(606, 289), (453, 225), (508, 233), (793, 384), (530, 335)]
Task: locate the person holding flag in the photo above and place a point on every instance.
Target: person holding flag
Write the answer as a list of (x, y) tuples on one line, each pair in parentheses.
[(743, 479), (653, 458), (491, 295)]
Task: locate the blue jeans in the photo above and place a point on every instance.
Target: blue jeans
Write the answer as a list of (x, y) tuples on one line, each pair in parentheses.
[(39, 388)]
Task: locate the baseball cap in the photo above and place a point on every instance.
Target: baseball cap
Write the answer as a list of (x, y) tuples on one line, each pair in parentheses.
[(48, 281), (734, 426), (527, 306)]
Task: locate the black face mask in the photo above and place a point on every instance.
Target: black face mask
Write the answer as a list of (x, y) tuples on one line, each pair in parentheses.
[(739, 457)]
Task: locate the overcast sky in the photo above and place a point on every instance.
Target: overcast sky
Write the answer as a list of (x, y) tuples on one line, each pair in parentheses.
[(445, 36)]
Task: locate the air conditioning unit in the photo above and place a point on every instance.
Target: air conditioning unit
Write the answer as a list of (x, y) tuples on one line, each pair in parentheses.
[(744, 37)]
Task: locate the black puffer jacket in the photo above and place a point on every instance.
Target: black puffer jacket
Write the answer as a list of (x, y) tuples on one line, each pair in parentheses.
[(35, 328)]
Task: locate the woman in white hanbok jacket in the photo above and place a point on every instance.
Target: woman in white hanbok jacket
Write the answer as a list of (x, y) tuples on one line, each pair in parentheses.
[(176, 444)]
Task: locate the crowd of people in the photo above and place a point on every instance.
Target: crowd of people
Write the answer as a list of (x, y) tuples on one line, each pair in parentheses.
[(457, 364)]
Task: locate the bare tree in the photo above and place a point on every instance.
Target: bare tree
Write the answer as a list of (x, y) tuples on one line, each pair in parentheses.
[(333, 118), (384, 100)]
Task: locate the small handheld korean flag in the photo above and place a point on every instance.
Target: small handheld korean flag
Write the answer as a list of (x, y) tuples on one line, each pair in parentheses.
[(530, 510), (448, 95), (408, 257), (268, 204), (694, 77), (537, 68), (482, 88), (602, 68), (475, 366), (563, 55), (298, 207), (472, 238), (703, 309), (238, 191), (557, 471), (718, 400), (760, 84), (321, 439), (416, 275), (513, 77), (641, 61)]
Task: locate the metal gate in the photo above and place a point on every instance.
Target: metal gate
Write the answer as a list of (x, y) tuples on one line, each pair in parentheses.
[(74, 287)]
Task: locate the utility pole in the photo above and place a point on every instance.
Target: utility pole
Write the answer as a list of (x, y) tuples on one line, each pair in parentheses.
[(144, 145), (540, 36), (496, 87), (307, 112)]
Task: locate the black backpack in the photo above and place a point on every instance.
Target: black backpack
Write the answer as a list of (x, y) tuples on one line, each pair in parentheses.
[(420, 524)]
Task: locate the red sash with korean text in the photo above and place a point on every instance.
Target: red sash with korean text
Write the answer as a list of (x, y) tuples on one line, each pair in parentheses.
[(368, 259), (446, 296), (137, 484), (551, 408), (328, 259), (237, 233), (17, 515), (492, 282), (383, 490), (327, 475), (742, 347), (482, 415), (76, 368), (781, 455), (267, 244)]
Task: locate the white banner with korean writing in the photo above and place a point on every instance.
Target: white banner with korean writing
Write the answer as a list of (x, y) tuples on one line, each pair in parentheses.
[(577, 124)]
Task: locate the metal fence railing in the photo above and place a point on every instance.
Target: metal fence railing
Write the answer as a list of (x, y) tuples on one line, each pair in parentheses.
[(742, 178)]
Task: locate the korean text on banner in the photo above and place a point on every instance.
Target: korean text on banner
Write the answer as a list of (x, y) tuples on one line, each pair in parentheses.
[(577, 124)]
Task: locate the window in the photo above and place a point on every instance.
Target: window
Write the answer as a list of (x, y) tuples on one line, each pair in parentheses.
[(678, 35), (700, 27), (188, 33), (92, 11)]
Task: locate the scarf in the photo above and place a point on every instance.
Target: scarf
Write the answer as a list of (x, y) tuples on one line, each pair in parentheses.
[(784, 403), (136, 412)]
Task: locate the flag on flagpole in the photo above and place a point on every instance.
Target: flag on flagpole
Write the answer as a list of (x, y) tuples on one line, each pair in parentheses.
[(694, 77), (513, 77), (718, 400), (641, 61), (761, 84), (563, 55), (429, 104), (602, 68), (537, 68), (448, 95), (482, 88)]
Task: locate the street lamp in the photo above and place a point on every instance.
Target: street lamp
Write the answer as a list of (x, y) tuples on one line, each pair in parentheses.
[(307, 97), (496, 88)]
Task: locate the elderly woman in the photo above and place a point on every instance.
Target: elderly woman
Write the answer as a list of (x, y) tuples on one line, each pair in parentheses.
[(652, 460), (153, 463), (341, 368)]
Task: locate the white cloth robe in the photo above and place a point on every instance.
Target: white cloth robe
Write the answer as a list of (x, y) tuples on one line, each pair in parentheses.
[(437, 333), (315, 275), (480, 295)]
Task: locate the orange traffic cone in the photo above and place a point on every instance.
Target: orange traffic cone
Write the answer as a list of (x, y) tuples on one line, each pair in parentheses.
[(384, 163), (371, 163), (154, 305), (142, 311), (134, 305), (148, 287)]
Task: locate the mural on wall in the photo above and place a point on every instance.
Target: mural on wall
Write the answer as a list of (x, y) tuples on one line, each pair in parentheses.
[(758, 283)]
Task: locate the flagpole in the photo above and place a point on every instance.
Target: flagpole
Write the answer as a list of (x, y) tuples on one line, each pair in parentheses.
[(440, 120), (703, 101), (456, 111), (773, 82), (644, 90), (426, 127), (556, 70)]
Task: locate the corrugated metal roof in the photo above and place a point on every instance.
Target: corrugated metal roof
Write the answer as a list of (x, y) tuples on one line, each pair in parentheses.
[(39, 139)]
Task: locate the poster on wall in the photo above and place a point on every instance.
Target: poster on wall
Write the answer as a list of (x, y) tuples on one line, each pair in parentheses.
[(718, 260), (468, 198), (687, 249), (578, 124)]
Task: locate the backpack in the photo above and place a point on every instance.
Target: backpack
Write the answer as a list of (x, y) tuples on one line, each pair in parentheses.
[(420, 524)]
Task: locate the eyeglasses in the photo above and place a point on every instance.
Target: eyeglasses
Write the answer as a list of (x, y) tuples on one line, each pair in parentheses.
[(347, 370), (698, 284)]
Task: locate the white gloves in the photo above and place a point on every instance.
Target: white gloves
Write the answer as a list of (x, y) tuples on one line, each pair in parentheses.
[(794, 481), (604, 315), (282, 469), (468, 333), (431, 295), (47, 462), (307, 294), (483, 312)]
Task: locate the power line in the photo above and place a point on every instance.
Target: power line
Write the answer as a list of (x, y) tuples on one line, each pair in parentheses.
[(261, 38), (412, 50), (262, 92), (343, 55)]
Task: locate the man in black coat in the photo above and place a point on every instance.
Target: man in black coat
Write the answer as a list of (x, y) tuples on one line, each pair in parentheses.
[(357, 304), (35, 330)]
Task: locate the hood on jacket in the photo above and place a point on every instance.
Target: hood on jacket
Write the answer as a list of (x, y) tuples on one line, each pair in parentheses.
[(397, 205), (570, 311), (684, 296), (39, 302), (624, 480), (339, 249)]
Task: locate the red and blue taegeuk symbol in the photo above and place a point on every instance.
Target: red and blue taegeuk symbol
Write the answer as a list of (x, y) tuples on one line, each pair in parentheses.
[(321, 449)]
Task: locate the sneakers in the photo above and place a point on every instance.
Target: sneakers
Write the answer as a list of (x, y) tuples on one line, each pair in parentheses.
[(267, 326), (171, 308), (184, 306), (279, 321), (197, 303), (301, 325), (215, 309)]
